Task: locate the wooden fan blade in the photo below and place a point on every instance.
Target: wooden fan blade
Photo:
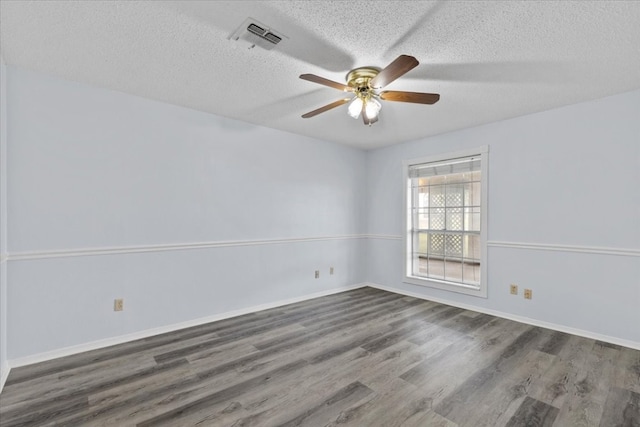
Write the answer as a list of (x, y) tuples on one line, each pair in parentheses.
[(325, 108), (400, 66), (415, 97), (321, 80)]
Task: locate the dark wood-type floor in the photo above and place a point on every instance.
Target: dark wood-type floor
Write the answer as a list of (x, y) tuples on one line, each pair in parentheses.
[(359, 358)]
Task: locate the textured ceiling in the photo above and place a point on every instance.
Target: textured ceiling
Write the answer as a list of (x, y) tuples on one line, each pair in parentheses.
[(489, 60)]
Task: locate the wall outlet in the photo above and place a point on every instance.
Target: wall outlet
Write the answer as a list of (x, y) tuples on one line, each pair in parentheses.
[(118, 304), (513, 289), (331, 270), (317, 274), (528, 294)]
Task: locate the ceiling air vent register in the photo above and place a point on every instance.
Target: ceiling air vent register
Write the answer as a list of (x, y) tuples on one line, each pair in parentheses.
[(257, 34)]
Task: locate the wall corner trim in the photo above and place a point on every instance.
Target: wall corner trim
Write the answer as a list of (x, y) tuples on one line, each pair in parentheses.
[(522, 319), (107, 342)]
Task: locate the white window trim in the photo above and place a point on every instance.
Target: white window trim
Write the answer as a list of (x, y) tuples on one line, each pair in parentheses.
[(483, 152)]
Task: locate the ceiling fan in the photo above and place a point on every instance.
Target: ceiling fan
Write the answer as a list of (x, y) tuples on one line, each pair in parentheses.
[(365, 83)]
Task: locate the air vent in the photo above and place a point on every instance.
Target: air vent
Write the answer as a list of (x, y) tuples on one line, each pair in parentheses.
[(257, 34), (258, 31), (272, 38)]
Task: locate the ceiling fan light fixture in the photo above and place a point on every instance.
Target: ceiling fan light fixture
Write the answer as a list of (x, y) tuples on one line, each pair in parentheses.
[(355, 107), (372, 108)]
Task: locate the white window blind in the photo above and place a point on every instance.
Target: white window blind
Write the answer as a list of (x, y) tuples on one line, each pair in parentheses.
[(450, 167)]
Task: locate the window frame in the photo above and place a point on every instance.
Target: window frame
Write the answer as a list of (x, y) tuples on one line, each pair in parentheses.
[(481, 291)]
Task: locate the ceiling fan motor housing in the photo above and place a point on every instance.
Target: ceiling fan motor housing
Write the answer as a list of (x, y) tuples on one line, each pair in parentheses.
[(359, 78)]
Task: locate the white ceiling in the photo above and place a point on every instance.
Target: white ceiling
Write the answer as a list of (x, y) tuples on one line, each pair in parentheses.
[(489, 60)]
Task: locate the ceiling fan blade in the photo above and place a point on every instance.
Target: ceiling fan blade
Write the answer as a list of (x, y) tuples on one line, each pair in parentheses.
[(400, 66), (415, 97), (325, 108), (321, 80)]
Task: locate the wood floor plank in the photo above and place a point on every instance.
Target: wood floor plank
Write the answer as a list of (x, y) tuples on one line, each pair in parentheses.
[(456, 405), (58, 385), (360, 358), (556, 384), (158, 397), (269, 327), (436, 313), (556, 343), (441, 371), (273, 406), (172, 417), (402, 357), (465, 324), (431, 419), (370, 312), (496, 387), (322, 412), (393, 398), (434, 332), (81, 393), (322, 378), (622, 408), (45, 412), (395, 404), (501, 401), (348, 306), (264, 405), (585, 402), (627, 370), (533, 413), (83, 416), (383, 311), (407, 328), (233, 335)]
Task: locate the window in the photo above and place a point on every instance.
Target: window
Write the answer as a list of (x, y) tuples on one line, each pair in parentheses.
[(446, 221)]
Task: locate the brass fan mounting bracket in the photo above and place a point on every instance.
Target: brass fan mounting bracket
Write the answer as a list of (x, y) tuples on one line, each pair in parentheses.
[(359, 78)]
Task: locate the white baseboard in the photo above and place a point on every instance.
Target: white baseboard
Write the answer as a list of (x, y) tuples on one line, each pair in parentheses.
[(4, 374), (522, 319), (94, 345)]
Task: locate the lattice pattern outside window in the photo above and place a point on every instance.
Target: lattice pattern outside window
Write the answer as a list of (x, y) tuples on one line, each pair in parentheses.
[(445, 220)]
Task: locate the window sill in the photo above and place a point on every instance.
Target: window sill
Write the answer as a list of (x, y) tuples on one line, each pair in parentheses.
[(476, 291)]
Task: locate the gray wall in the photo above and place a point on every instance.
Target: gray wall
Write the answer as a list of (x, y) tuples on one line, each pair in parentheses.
[(4, 368), (565, 177), (92, 169)]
